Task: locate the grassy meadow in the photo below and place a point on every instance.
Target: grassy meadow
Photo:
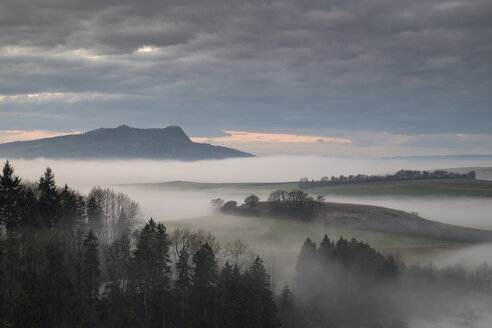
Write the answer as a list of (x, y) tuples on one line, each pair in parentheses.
[(283, 233), (414, 188)]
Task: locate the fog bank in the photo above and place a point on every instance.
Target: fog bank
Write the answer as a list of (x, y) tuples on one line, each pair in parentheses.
[(85, 174)]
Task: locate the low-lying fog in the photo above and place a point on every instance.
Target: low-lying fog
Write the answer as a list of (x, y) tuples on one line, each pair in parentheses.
[(85, 174), (280, 257), (165, 205)]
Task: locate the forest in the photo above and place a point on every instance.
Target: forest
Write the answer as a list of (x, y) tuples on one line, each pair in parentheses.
[(74, 260)]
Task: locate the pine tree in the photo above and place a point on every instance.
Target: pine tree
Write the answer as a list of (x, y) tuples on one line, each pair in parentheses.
[(29, 213), (68, 206), (118, 262), (71, 207), (11, 192), (55, 287), (94, 214), (262, 309), (307, 255), (325, 248), (152, 270), (308, 272), (183, 281), (3, 285), (227, 295), (204, 285), (232, 298), (49, 199), (286, 307), (90, 268)]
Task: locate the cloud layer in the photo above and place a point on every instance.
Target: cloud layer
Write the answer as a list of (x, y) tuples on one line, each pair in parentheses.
[(414, 67)]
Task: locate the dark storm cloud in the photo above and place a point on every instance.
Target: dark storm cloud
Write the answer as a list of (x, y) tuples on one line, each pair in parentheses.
[(413, 67)]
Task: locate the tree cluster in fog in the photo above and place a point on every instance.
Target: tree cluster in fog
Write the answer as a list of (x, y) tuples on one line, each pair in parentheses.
[(293, 200), (398, 176), (279, 202), (45, 205)]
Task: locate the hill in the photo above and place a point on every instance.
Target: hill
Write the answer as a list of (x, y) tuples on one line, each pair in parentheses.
[(123, 142), (413, 188), (371, 218), (268, 232)]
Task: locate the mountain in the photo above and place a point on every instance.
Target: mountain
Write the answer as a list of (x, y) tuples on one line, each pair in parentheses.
[(123, 142)]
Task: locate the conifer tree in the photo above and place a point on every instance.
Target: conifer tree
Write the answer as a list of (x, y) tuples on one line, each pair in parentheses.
[(308, 271), (152, 270), (286, 308), (306, 257), (49, 199), (11, 193), (94, 214), (325, 248), (262, 309), (72, 207), (183, 281), (55, 286), (118, 262), (90, 269), (29, 214), (68, 206), (230, 301), (204, 285)]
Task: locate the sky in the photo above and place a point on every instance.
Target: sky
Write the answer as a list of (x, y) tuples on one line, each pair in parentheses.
[(381, 76)]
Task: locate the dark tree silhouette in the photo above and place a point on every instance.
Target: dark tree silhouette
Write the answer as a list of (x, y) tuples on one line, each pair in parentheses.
[(11, 194), (49, 199)]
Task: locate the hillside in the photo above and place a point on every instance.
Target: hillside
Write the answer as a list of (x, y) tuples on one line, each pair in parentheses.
[(371, 218), (413, 188), (416, 188), (268, 232), (123, 142)]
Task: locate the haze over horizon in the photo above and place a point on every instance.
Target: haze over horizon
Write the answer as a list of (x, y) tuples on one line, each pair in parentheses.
[(350, 77), (359, 144)]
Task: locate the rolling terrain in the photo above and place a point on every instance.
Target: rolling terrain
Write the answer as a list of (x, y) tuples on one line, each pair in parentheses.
[(430, 187), (370, 218), (269, 230), (435, 187)]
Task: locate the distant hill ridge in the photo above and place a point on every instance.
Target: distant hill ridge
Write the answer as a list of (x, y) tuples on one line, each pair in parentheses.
[(123, 142)]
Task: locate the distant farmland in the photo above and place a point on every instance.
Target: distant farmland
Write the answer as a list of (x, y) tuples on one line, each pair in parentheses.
[(429, 187), (437, 187)]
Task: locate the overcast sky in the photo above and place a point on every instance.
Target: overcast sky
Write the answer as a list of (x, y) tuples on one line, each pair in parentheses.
[(367, 71)]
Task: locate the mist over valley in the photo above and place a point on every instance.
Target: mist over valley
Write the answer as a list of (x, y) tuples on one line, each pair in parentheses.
[(246, 164)]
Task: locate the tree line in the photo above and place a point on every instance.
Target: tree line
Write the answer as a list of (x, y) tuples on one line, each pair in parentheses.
[(400, 175)]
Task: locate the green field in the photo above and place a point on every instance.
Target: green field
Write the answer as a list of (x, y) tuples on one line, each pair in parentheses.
[(287, 233), (279, 241), (434, 187), (415, 188)]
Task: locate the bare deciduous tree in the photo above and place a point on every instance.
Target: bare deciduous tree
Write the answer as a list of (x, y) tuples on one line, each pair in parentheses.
[(119, 213), (238, 254)]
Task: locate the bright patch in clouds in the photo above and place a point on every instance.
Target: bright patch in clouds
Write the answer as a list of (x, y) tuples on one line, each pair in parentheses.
[(32, 96), (147, 49), (244, 136), (23, 135)]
